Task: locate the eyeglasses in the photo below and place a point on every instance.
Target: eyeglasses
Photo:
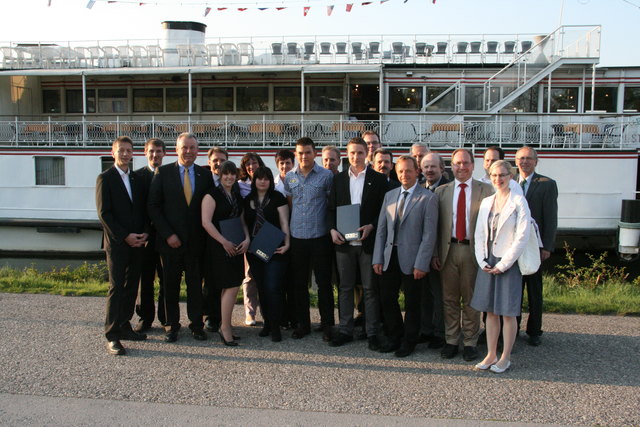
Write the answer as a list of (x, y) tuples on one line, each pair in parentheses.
[(499, 175)]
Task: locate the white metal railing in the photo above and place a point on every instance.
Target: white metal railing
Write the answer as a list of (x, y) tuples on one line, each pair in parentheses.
[(543, 131), (221, 51)]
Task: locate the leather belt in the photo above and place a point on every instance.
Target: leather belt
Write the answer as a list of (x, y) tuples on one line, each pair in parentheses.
[(461, 242)]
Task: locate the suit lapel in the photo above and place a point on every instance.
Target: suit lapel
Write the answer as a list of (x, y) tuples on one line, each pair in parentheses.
[(121, 185), (533, 185), (392, 207), (411, 202), (344, 183), (367, 186)]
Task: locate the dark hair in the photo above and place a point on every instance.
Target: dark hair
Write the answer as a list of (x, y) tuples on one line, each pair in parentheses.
[(228, 167), (243, 164), (371, 132), (498, 149), (217, 150), (156, 142), (358, 141), (383, 151), (120, 139), (284, 155), (261, 172), (306, 141)]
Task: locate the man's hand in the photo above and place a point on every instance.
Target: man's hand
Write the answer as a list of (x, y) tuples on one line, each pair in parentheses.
[(544, 254), (365, 230), (418, 274), (336, 237), (435, 263), (377, 268), (174, 241)]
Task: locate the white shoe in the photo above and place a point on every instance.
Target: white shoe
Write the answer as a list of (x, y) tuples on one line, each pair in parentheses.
[(484, 366), (250, 321), (498, 370)]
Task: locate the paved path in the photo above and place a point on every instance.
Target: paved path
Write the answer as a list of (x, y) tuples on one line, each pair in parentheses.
[(54, 369)]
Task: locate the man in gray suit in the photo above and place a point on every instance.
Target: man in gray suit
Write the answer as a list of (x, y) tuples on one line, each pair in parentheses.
[(542, 195), (455, 258), (405, 240)]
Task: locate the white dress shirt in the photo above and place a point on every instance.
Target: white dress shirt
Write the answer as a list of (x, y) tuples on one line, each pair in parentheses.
[(125, 179), (456, 193)]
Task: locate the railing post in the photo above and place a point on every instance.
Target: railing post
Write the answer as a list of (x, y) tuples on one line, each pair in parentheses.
[(153, 126), (17, 131), (264, 131), (117, 126), (226, 131)]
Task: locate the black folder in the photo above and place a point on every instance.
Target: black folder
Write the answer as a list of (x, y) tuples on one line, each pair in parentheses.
[(265, 243), (232, 230), (348, 221)]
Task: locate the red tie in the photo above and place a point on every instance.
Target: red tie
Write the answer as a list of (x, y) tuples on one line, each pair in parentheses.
[(461, 214)]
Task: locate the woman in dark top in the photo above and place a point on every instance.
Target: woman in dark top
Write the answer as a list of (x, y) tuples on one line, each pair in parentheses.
[(264, 203), (223, 256)]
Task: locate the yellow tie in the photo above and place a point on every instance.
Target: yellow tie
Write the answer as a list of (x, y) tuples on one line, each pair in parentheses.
[(187, 186)]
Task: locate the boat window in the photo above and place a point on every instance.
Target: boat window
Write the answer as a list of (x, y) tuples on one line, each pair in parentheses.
[(605, 99), (446, 103), (73, 100), (49, 170), (177, 101), (217, 99), (106, 163), (405, 98), (147, 100), (631, 99), (563, 99), (252, 98), (525, 103), (113, 101), (286, 98), (326, 98), (51, 101), (474, 97)]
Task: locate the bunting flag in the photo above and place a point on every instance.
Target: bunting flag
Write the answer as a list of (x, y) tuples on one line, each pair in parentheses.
[(206, 11), (222, 8), (349, 6), (280, 8), (263, 8), (329, 10), (49, 3), (366, 3), (383, 1), (242, 9), (90, 4), (306, 10)]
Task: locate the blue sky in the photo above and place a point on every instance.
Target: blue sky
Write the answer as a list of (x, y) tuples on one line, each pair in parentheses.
[(33, 20)]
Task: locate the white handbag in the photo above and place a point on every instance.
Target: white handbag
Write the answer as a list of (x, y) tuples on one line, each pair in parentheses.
[(529, 261)]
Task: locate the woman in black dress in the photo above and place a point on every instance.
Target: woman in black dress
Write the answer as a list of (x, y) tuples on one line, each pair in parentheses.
[(225, 257), (265, 204)]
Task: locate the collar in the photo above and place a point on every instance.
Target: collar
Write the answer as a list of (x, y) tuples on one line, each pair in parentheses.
[(121, 172), (409, 190), (468, 182), (354, 175)]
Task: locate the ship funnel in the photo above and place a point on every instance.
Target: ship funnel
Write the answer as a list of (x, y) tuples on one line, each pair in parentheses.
[(180, 33), (629, 230)]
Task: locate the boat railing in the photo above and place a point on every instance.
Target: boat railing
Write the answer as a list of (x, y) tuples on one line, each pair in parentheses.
[(438, 132), (269, 51)]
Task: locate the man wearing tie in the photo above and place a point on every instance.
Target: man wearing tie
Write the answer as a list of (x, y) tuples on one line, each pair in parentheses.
[(174, 206), (405, 240), (541, 193), (121, 208), (455, 258), (154, 151), (363, 186)]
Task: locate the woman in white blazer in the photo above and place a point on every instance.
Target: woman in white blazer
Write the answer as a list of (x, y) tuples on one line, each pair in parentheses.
[(501, 235)]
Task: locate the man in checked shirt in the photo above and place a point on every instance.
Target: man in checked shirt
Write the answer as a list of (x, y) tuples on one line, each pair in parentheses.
[(307, 187)]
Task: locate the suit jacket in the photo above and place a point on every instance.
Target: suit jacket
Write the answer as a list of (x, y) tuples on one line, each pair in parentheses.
[(146, 176), (375, 187), (417, 232), (443, 181), (479, 190), (542, 196), (119, 214), (512, 232), (170, 213)]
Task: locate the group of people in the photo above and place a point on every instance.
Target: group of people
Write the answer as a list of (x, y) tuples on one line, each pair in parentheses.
[(451, 245)]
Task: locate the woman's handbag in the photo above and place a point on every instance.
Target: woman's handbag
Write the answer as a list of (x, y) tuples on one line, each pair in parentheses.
[(529, 261)]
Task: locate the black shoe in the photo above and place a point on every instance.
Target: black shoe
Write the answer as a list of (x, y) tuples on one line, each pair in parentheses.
[(171, 336), (116, 348), (534, 340), (130, 335), (231, 343), (405, 349), (360, 334), (211, 326), (299, 333), (359, 320), (142, 327), (265, 331), (327, 333), (276, 335), (318, 328), (199, 335), (373, 343), (469, 353), (423, 338), (340, 339), (389, 346), (449, 351), (436, 342)]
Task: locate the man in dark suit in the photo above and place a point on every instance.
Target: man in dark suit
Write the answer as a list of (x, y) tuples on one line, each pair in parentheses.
[(405, 240), (154, 151), (455, 258), (366, 187), (176, 193), (432, 322), (383, 163), (121, 205), (541, 193)]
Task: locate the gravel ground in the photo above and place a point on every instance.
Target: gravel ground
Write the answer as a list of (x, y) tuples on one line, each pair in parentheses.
[(586, 372)]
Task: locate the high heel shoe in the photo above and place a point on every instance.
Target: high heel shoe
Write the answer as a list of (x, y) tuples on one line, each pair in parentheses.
[(231, 343), (498, 370), (484, 366)]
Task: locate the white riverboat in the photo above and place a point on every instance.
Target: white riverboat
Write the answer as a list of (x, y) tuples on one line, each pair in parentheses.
[(62, 103)]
